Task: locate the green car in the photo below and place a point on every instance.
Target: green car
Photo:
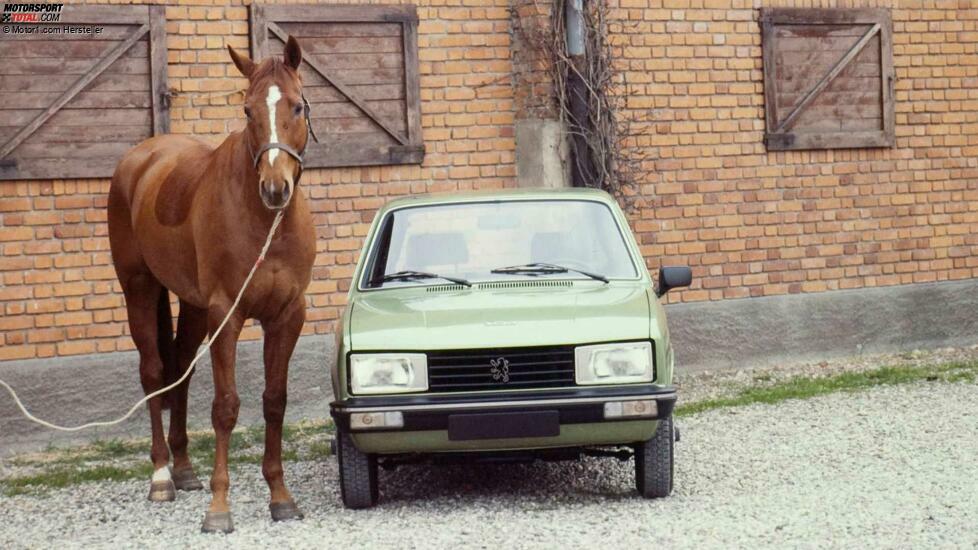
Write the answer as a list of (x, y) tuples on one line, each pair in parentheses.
[(509, 325)]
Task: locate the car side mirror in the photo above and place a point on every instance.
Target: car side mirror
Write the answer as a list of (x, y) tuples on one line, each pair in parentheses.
[(673, 277)]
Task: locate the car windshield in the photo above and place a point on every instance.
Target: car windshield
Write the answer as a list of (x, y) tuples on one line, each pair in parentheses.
[(502, 240)]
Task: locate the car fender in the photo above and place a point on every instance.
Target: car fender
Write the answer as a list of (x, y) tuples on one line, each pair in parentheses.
[(659, 333)]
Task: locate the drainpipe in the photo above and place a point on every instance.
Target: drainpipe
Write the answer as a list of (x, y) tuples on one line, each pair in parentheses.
[(582, 172), (574, 23)]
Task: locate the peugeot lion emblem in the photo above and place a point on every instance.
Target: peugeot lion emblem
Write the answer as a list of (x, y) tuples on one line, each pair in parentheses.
[(499, 368)]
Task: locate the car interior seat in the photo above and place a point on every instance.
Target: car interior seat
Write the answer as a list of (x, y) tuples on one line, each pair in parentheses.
[(428, 251), (550, 248)]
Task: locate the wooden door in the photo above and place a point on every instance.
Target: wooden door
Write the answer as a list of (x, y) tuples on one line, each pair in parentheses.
[(828, 78), (72, 104), (360, 74)]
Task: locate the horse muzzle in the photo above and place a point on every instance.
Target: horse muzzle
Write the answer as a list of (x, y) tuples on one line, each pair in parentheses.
[(276, 196)]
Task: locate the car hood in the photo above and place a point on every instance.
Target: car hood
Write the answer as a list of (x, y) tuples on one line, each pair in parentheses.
[(416, 319)]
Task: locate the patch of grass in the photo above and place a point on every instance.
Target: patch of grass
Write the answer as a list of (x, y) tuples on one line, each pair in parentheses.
[(99, 450), (63, 476), (319, 449), (803, 387), (63, 467), (118, 448)]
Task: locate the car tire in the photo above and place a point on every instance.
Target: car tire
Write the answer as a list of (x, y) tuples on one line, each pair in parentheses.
[(358, 474), (654, 462)]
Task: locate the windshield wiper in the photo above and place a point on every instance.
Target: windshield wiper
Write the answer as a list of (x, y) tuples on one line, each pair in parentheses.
[(408, 275), (546, 268)]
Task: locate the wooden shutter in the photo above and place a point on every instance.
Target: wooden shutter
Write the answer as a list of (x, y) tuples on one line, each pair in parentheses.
[(360, 74), (72, 104), (828, 78)]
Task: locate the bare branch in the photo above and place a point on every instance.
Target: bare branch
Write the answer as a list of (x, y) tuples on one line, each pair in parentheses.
[(612, 132)]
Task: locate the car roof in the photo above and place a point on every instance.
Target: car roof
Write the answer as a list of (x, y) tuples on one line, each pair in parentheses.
[(563, 193)]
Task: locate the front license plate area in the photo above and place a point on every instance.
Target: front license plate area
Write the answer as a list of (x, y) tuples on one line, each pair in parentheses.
[(467, 427)]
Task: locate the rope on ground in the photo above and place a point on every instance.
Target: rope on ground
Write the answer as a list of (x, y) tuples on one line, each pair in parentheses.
[(207, 346)]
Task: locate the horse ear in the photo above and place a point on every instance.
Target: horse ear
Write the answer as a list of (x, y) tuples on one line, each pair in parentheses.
[(242, 62), (293, 53)]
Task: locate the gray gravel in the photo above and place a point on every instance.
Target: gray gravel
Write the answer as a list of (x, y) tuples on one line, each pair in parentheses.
[(890, 467)]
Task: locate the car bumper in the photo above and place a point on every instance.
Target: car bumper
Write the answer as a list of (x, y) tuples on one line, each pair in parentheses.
[(483, 422)]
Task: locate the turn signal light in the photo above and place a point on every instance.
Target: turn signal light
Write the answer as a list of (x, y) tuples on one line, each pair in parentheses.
[(376, 420), (631, 409)]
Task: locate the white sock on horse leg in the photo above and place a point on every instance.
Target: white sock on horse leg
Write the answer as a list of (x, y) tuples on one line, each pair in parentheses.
[(162, 474)]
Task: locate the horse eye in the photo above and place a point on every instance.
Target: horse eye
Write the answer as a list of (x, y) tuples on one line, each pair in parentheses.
[(297, 110), (247, 112)]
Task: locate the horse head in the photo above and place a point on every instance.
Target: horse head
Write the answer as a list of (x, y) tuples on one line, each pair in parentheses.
[(278, 127)]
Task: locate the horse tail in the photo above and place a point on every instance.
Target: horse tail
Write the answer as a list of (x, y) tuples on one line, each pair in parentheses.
[(166, 344)]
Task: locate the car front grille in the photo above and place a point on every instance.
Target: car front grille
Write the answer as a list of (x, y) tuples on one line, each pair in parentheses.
[(501, 369)]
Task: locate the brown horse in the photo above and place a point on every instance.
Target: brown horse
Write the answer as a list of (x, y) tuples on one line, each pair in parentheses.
[(188, 218)]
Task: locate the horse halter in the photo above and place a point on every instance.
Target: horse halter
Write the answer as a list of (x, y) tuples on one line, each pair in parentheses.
[(297, 155)]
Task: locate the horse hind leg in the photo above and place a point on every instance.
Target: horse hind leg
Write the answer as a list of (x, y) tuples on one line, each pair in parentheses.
[(191, 329), (143, 294)]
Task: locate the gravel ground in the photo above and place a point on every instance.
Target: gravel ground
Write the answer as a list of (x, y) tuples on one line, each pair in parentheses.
[(889, 467)]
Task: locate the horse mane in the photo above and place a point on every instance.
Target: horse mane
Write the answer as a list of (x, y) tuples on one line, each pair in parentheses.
[(274, 69)]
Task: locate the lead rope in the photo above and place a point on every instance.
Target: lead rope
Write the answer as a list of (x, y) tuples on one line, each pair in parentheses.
[(207, 346)]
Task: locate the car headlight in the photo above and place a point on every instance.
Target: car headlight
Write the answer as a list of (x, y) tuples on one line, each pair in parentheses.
[(373, 373), (623, 363)]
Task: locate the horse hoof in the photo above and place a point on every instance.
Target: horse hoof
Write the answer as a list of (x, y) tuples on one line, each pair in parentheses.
[(283, 511), (162, 491), (186, 480), (217, 522)]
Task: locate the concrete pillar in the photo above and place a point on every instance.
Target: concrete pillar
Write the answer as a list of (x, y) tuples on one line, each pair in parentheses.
[(541, 153), (542, 158)]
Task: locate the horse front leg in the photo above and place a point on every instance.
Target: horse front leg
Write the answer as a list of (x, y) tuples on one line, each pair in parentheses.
[(280, 339), (224, 414)]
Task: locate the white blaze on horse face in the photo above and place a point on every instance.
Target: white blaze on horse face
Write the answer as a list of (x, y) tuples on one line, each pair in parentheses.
[(162, 474), (272, 101)]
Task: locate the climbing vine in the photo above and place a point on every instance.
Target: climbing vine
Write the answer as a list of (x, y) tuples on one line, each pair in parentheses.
[(603, 133)]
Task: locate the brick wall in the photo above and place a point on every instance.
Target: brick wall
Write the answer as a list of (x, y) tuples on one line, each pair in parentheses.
[(532, 30), (59, 294), (753, 223), (750, 223)]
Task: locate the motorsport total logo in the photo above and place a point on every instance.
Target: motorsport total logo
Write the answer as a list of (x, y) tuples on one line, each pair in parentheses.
[(31, 13)]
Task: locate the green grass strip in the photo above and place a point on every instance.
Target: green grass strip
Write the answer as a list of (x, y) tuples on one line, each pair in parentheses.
[(63, 476), (804, 387), (70, 466)]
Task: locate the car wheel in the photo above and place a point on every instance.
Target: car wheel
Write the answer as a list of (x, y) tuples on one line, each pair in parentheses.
[(654, 462), (358, 474)]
